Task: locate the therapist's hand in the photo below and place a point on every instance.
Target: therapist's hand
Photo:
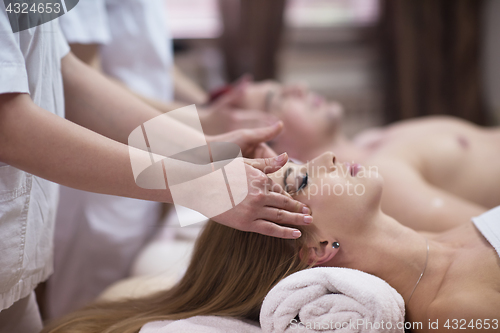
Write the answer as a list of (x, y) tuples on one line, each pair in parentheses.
[(225, 114), (252, 141), (267, 205)]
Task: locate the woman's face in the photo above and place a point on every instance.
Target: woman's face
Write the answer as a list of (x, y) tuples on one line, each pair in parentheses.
[(340, 195), (310, 121)]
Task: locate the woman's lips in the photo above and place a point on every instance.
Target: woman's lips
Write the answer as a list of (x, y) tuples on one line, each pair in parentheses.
[(353, 169)]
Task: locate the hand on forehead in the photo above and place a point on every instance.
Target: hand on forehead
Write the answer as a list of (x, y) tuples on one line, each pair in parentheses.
[(292, 177)]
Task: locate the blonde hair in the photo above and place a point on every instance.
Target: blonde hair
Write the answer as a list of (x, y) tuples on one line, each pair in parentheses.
[(230, 273)]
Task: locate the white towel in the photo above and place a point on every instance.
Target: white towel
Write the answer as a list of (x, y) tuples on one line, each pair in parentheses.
[(202, 324), (329, 299), (489, 225)]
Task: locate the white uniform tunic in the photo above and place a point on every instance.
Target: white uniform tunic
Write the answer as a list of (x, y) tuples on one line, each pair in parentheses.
[(30, 62), (98, 236)]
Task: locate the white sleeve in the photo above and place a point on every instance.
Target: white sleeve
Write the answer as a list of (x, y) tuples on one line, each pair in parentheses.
[(87, 23), (13, 77), (62, 44)]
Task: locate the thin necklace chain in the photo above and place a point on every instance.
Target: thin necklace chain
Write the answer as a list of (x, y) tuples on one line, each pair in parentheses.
[(423, 271)]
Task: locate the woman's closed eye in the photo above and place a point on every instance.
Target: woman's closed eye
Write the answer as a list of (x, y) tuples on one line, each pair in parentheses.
[(303, 184), (295, 181)]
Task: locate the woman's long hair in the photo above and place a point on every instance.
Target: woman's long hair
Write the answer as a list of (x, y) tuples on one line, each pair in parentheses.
[(230, 273)]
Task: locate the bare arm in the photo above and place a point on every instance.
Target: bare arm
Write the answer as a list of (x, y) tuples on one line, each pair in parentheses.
[(100, 105), (41, 143), (95, 159), (187, 90), (89, 54), (414, 202), (218, 118)]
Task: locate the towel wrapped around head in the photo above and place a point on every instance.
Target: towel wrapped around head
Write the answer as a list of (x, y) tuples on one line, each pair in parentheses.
[(328, 299)]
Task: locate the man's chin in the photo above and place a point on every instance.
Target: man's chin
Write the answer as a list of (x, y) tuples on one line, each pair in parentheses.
[(335, 110), (334, 122)]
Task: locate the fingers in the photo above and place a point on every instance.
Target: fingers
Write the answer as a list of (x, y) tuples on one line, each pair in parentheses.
[(277, 188), (268, 165), (265, 134), (264, 151), (274, 230), (282, 216), (277, 200), (253, 118)]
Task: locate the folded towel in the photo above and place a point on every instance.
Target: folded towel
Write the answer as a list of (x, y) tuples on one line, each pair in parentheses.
[(329, 299), (489, 225), (202, 324)]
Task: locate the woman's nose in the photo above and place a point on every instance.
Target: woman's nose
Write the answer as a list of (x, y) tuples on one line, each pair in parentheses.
[(326, 159)]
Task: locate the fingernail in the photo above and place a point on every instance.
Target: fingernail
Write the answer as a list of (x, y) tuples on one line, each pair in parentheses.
[(306, 210), (281, 158), (296, 233), (308, 219)]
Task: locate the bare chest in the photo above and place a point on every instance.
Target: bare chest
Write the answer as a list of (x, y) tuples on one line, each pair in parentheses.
[(452, 156), (473, 275)]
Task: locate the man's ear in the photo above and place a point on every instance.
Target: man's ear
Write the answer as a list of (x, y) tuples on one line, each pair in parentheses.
[(319, 253)]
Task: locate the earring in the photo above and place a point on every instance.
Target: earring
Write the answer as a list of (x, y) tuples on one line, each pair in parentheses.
[(335, 245)]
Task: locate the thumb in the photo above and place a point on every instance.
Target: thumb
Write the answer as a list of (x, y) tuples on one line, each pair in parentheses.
[(264, 134), (264, 151), (268, 165)]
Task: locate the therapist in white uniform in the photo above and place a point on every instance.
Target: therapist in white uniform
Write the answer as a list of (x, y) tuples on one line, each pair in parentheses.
[(98, 236), (86, 151), (30, 63)]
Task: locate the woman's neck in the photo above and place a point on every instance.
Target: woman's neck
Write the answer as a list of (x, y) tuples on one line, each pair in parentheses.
[(388, 250)]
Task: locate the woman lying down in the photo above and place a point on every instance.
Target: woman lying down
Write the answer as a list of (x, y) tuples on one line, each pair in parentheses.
[(446, 275), (451, 167)]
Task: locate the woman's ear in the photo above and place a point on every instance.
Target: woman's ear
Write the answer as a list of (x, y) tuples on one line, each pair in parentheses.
[(320, 253)]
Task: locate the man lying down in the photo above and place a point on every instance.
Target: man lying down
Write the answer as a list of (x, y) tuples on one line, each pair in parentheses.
[(445, 277)]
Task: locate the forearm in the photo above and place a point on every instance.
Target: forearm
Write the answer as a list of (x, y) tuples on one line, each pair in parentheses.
[(39, 142), (187, 90), (97, 103), (154, 103), (163, 107), (89, 54)]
